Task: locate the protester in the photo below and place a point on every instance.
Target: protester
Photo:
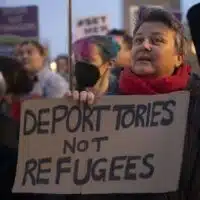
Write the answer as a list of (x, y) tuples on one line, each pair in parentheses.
[(33, 56), (124, 55), (158, 67), (125, 42), (14, 82), (62, 66), (49, 84), (94, 56)]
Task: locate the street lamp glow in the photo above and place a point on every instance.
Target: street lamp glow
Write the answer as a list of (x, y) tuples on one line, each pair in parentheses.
[(53, 66)]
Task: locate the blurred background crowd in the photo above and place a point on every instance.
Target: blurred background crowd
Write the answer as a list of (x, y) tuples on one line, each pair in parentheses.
[(35, 62)]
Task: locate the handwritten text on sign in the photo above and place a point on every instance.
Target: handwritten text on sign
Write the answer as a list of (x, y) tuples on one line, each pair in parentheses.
[(96, 25), (108, 148)]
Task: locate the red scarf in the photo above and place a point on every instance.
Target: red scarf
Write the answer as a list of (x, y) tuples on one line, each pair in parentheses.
[(15, 110), (16, 107), (131, 84)]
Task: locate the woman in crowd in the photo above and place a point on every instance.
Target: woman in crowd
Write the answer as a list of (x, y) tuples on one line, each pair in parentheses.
[(94, 56), (158, 67)]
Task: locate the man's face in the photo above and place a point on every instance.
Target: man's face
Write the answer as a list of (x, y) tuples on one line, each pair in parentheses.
[(62, 65), (124, 55), (31, 57)]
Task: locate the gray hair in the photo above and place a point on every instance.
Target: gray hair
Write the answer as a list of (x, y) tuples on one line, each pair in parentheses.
[(147, 14)]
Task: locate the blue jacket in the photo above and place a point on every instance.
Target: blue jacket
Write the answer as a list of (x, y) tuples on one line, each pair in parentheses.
[(50, 84)]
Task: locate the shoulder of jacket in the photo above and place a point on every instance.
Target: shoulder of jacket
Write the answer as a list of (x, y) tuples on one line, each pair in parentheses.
[(55, 78), (194, 85)]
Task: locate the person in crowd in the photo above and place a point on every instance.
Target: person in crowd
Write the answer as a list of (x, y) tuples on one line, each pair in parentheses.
[(62, 66), (49, 84), (17, 82), (124, 55), (93, 57), (158, 67), (125, 42), (33, 55), (14, 82)]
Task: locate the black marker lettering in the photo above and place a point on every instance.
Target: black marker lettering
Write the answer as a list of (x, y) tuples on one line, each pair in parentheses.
[(100, 110), (70, 146), (29, 115), (156, 111), (100, 174), (169, 107), (30, 167), (42, 123), (120, 123), (130, 173), (87, 113), (73, 126), (83, 146), (57, 117), (41, 170), (141, 112), (114, 166), (149, 165), (77, 167), (61, 169), (99, 141)]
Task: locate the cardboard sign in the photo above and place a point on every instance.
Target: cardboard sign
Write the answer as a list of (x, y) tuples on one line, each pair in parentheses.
[(96, 25), (124, 144)]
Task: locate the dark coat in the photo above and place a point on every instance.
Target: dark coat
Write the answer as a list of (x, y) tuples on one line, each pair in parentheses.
[(9, 131)]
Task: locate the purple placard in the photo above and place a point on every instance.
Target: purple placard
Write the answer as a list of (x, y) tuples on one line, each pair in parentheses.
[(19, 21), (17, 24)]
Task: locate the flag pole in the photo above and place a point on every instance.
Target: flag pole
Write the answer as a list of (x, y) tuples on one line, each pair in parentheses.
[(70, 44)]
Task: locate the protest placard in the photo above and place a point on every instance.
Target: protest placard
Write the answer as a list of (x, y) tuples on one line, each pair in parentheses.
[(16, 25), (124, 144), (93, 25)]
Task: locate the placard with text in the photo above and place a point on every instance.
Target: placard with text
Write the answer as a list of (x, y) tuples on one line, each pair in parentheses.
[(123, 144), (92, 25)]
